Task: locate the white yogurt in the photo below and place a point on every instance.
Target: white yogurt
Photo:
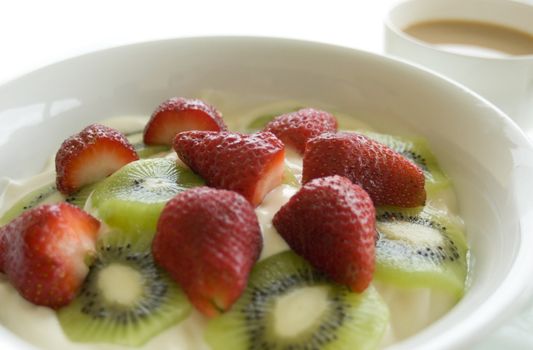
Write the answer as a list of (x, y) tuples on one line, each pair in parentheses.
[(410, 309)]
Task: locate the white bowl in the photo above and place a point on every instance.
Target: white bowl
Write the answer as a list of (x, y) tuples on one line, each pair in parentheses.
[(484, 152)]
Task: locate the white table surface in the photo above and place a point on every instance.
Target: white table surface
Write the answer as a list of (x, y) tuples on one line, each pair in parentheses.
[(36, 33)]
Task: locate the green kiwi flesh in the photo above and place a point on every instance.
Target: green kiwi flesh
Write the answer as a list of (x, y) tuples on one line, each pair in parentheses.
[(289, 178), (416, 150), (260, 122), (80, 197), (45, 195), (143, 150), (421, 247), (140, 301), (132, 199), (330, 315)]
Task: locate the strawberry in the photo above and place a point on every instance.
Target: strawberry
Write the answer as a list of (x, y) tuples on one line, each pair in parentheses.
[(180, 114), (43, 252), (251, 165), (91, 155), (331, 223), (387, 176), (208, 241), (294, 129)]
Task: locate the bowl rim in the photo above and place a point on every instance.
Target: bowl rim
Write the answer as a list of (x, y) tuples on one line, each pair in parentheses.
[(496, 313)]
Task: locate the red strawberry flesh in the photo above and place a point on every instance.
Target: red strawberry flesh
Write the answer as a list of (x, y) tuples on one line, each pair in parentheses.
[(296, 128), (208, 241), (387, 176), (331, 223), (251, 165), (180, 114), (91, 155), (44, 252)]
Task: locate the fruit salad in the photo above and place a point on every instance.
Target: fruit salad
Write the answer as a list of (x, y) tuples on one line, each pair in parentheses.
[(192, 230)]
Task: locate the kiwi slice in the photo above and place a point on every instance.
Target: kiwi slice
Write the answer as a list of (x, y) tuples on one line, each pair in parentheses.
[(79, 198), (144, 151), (133, 197), (43, 195), (289, 305), (416, 150), (125, 298), (261, 121), (421, 247), (289, 178)]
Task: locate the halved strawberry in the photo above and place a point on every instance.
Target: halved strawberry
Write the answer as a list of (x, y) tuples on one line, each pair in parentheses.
[(251, 165), (208, 241), (296, 128), (331, 223), (387, 176), (44, 252), (91, 155), (180, 114)]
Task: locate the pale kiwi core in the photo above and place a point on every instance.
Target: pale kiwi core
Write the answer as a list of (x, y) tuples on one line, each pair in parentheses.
[(411, 232), (298, 310), (120, 284)]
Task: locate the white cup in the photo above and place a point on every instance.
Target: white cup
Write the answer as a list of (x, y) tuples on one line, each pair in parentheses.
[(505, 81)]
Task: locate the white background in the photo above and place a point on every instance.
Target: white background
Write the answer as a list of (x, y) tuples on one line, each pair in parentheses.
[(36, 33)]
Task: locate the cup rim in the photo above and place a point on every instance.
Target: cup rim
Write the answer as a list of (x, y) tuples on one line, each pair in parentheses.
[(389, 24)]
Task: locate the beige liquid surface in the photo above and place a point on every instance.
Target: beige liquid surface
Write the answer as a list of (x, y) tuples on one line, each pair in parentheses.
[(474, 38)]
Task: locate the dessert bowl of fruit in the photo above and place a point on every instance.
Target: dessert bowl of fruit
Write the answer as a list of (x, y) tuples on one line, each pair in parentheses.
[(255, 193)]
